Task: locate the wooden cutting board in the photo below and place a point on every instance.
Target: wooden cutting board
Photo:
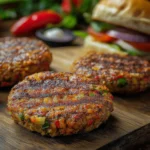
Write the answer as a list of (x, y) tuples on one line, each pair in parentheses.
[(129, 124)]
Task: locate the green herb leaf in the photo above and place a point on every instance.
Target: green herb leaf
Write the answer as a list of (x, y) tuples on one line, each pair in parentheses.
[(46, 125), (122, 82), (81, 34), (101, 26), (21, 116), (135, 52), (132, 53), (69, 22)]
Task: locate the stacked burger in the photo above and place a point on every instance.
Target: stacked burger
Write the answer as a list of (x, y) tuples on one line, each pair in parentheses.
[(120, 27)]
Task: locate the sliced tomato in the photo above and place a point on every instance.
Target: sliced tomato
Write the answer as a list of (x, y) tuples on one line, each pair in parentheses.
[(102, 37), (141, 46)]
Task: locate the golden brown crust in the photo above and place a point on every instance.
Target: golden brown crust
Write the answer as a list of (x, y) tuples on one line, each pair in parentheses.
[(20, 57), (55, 104), (133, 14), (112, 69)]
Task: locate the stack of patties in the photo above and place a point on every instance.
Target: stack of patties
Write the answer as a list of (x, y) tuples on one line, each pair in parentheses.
[(120, 26)]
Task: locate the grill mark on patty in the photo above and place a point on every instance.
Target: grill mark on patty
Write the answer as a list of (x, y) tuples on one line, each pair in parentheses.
[(68, 102), (132, 64), (46, 94), (30, 94), (52, 83), (68, 111), (107, 71), (42, 91), (16, 49)]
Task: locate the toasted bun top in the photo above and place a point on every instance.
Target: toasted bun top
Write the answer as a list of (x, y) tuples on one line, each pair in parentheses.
[(133, 14)]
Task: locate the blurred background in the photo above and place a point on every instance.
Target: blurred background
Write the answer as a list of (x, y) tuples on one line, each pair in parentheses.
[(75, 14), (79, 11)]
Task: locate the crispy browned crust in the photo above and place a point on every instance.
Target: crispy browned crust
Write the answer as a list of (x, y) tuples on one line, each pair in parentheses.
[(20, 57), (132, 14), (108, 69), (69, 103)]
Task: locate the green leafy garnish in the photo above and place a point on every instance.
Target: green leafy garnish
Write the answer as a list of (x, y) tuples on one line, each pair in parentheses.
[(45, 125), (117, 47), (5, 14), (69, 21), (135, 52), (101, 26), (122, 82), (21, 116), (81, 34)]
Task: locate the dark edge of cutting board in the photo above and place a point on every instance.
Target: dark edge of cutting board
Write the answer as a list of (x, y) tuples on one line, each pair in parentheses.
[(130, 140)]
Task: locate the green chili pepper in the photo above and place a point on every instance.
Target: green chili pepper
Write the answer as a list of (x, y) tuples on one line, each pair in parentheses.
[(122, 82)]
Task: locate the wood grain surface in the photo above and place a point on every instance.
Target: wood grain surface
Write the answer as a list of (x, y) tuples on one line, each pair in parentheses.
[(128, 124)]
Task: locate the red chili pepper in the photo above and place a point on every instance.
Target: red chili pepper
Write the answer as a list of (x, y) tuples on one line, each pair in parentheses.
[(35, 21), (57, 124), (67, 5)]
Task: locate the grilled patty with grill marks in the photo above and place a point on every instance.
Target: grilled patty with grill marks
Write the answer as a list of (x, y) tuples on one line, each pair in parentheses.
[(20, 57), (57, 104), (121, 74)]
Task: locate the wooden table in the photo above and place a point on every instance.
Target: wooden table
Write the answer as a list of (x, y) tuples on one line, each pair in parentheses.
[(128, 125)]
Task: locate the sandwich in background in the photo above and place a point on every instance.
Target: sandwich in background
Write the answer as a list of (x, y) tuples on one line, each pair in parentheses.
[(120, 27)]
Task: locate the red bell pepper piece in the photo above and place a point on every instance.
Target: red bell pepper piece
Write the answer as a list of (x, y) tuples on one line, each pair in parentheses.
[(57, 123), (90, 122), (35, 21)]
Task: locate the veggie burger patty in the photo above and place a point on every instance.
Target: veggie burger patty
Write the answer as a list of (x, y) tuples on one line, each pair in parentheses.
[(57, 104), (121, 74), (20, 57)]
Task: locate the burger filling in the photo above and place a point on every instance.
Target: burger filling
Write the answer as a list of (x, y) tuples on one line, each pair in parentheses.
[(126, 40)]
